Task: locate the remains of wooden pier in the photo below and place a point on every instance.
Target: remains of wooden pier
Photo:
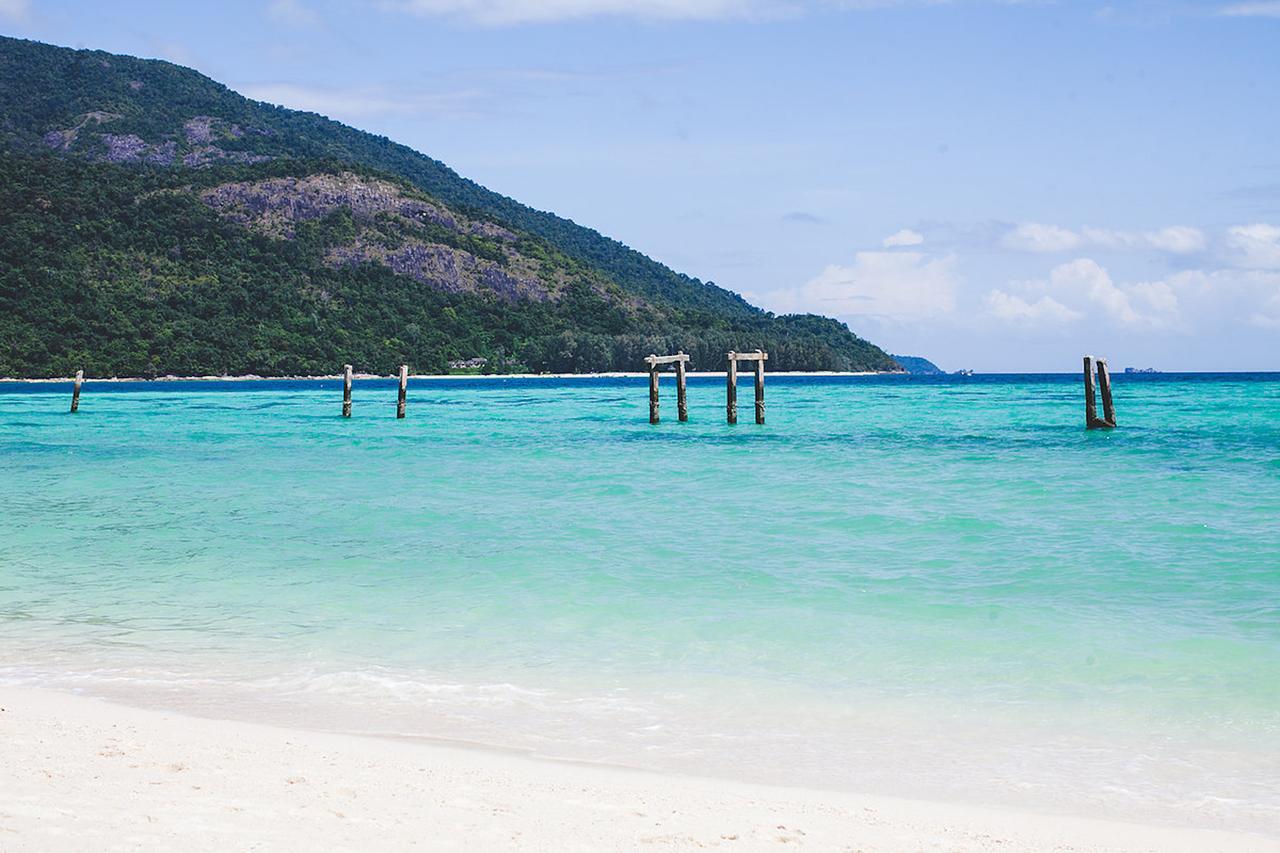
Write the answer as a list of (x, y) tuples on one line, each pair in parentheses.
[(731, 389), (680, 360), (1092, 367), (75, 391), (1091, 419)]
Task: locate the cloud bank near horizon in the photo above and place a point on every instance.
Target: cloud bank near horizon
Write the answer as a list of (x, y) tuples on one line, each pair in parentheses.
[(1233, 288)]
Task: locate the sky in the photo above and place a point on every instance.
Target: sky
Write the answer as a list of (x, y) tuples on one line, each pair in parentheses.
[(992, 184)]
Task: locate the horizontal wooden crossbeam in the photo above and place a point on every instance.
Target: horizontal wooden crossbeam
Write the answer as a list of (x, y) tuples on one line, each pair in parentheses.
[(655, 360), (758, 355)]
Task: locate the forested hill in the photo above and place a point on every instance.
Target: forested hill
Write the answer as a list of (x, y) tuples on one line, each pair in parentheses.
[(154, 221)]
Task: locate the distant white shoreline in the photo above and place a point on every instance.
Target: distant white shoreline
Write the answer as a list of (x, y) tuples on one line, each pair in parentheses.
[(493, 376)]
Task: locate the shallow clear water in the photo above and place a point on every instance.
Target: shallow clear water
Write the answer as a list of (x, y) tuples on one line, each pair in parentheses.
[(942, 588)]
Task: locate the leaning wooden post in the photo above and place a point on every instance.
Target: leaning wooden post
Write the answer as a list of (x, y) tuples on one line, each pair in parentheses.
[(1090, 403), (75, 391), (760, 387), (731, 389), (653, 388), (1104, 385), (346, 390), (404, 389), (682, 404)]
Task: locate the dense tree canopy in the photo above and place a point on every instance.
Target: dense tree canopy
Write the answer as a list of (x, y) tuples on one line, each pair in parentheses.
[(110, 261)]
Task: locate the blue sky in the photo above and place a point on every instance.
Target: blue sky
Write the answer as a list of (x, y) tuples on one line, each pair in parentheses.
[(994, 185)]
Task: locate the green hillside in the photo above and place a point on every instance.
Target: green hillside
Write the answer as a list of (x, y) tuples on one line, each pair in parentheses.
[(153, 221)]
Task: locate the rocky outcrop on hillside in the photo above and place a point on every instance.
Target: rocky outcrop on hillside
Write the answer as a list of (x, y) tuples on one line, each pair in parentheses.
[(196, 145), (403, 231), (444, 268), (203, 130), (276, 205), (133, 149), (62, 140)]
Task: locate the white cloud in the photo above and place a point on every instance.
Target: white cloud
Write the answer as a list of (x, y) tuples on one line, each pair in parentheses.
[(1157, 295), (1255, 246), (1179, 239), (1007, 306), (1258, 9), (905, 237), (1039, 237), (1224, 299), (1149, 304), (890, 286), (1087, 277), (499, 12), (293, 13), (1036, 237), (922, 298), (1083, 287), (14, 10)]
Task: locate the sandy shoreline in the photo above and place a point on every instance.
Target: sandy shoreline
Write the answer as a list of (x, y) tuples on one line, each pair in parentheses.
[(447, 376), (80, 774)]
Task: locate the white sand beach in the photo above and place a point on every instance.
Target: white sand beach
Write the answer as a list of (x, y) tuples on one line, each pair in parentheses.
[(81, 774)]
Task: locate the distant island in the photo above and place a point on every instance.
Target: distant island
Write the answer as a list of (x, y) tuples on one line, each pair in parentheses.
[(915, 364), (156, 222)]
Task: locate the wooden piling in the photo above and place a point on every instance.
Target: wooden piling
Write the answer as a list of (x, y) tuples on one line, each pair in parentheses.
[(404, 390), (682, 404), (731, 389), (75, 391), (656, 361), (760, 389), (1090, 403), (1091, 419), (346, 390), (653, 390), (1104, 385)]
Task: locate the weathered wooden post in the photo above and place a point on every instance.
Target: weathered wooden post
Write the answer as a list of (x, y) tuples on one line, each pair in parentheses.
[(404, 389), (682, 404), (760, 387), (731, 389), (759, 357), (1091, 419), (1090, 402), (653, 389), (75, 391), (346, 390), (1104, 385)]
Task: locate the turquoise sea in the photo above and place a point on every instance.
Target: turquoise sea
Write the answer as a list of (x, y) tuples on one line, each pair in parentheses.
[(942, 588)]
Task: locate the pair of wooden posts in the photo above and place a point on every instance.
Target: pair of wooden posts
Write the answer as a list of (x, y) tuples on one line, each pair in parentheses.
[(1091, 419), (680, 360), (346, 391)]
